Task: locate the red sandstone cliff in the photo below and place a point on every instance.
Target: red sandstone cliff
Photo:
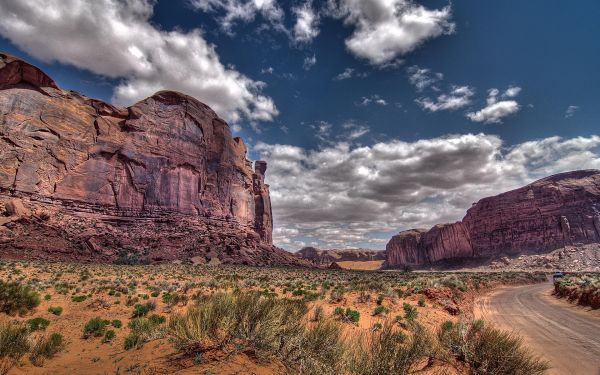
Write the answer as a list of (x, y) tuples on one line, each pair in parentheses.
[(163, 179), (560, 210)]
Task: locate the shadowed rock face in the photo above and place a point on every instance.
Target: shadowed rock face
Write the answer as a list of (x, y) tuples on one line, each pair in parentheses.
[(327, 257), (163, 177), (560, 210)]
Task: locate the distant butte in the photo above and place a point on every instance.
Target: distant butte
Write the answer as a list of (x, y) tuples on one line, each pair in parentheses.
[(554, 212)]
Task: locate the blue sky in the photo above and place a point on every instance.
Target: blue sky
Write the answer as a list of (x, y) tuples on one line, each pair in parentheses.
[(377, 116)]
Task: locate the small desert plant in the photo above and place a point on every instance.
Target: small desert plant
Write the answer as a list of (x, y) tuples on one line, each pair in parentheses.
[(488, 350), (389, 351), (109, 336), (37, 323), (14, 344), (116, 323), (46, 347), (16, 298), (94, 327), (380, 310), (410, 313), (56, 310)]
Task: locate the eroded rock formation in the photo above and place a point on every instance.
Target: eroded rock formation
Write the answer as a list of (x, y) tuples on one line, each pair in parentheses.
[(163, 179), (326, 258), (548, 214)]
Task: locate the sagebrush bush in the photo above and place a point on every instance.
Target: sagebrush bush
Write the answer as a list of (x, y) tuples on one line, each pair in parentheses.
[(16, 298), (46, 347), (488, 350), (14, 344), (390, 351)]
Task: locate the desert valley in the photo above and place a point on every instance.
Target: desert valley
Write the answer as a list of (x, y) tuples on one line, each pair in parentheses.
[(141, 238)]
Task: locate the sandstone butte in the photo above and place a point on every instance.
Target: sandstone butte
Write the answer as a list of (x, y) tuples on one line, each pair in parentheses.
[(325, 258), (162, 180), (550, 213)]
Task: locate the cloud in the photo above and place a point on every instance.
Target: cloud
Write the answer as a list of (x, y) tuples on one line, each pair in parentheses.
[(309, 62), (373, 99), (346, 74), (496, 110), (307, 22), (343, 194), (571, 111), (422, 78), (268, 70), (243, 11), (384, 30), (116, 39), (459, 97)]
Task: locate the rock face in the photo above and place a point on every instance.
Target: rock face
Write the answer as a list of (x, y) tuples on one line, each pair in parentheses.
[(325, 258), (554, 212), (163, 179)]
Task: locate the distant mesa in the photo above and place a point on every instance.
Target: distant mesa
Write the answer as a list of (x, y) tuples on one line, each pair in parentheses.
[(162, 180), (551, 213), (326, 258)]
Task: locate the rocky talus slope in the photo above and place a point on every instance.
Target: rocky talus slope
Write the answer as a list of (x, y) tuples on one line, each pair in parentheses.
[(554, 212), (162, 180)]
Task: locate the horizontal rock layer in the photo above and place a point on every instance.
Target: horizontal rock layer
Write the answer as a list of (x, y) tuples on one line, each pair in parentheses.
[(556, 211), (163, 178)]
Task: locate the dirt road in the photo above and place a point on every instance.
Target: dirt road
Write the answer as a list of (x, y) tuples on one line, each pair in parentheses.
[(563, 335)]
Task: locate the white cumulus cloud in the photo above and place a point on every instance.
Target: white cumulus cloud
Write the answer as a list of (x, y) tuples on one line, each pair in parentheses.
[(116, 39), (386, 29), (307, 22), (344, 194), (459, 97), (244, 11), (496, 110)]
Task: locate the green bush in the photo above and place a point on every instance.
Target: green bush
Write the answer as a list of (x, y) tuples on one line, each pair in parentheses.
[(140, 310), (37, 323), (379, 310), (46, 348), (14, 343), (94, 327), (488, 350), (16, 298), (410, 313), (109, 336), (116, 323), (78, 298), (55, 310)]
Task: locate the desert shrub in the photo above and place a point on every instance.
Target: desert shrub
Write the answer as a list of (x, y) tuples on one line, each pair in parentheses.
[(16, 298), (380, 310), (318, 313), (14, 344), (143, 309), (133, 341), (410, 313), (389, 351), (78, 298), (46, 347), (109, 336), (488, 350), (421, 302), (94, 327), (37, 323), (318, 350), (173, 299), (347, 315), (116, 323), (144, 330), (56, 310)]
